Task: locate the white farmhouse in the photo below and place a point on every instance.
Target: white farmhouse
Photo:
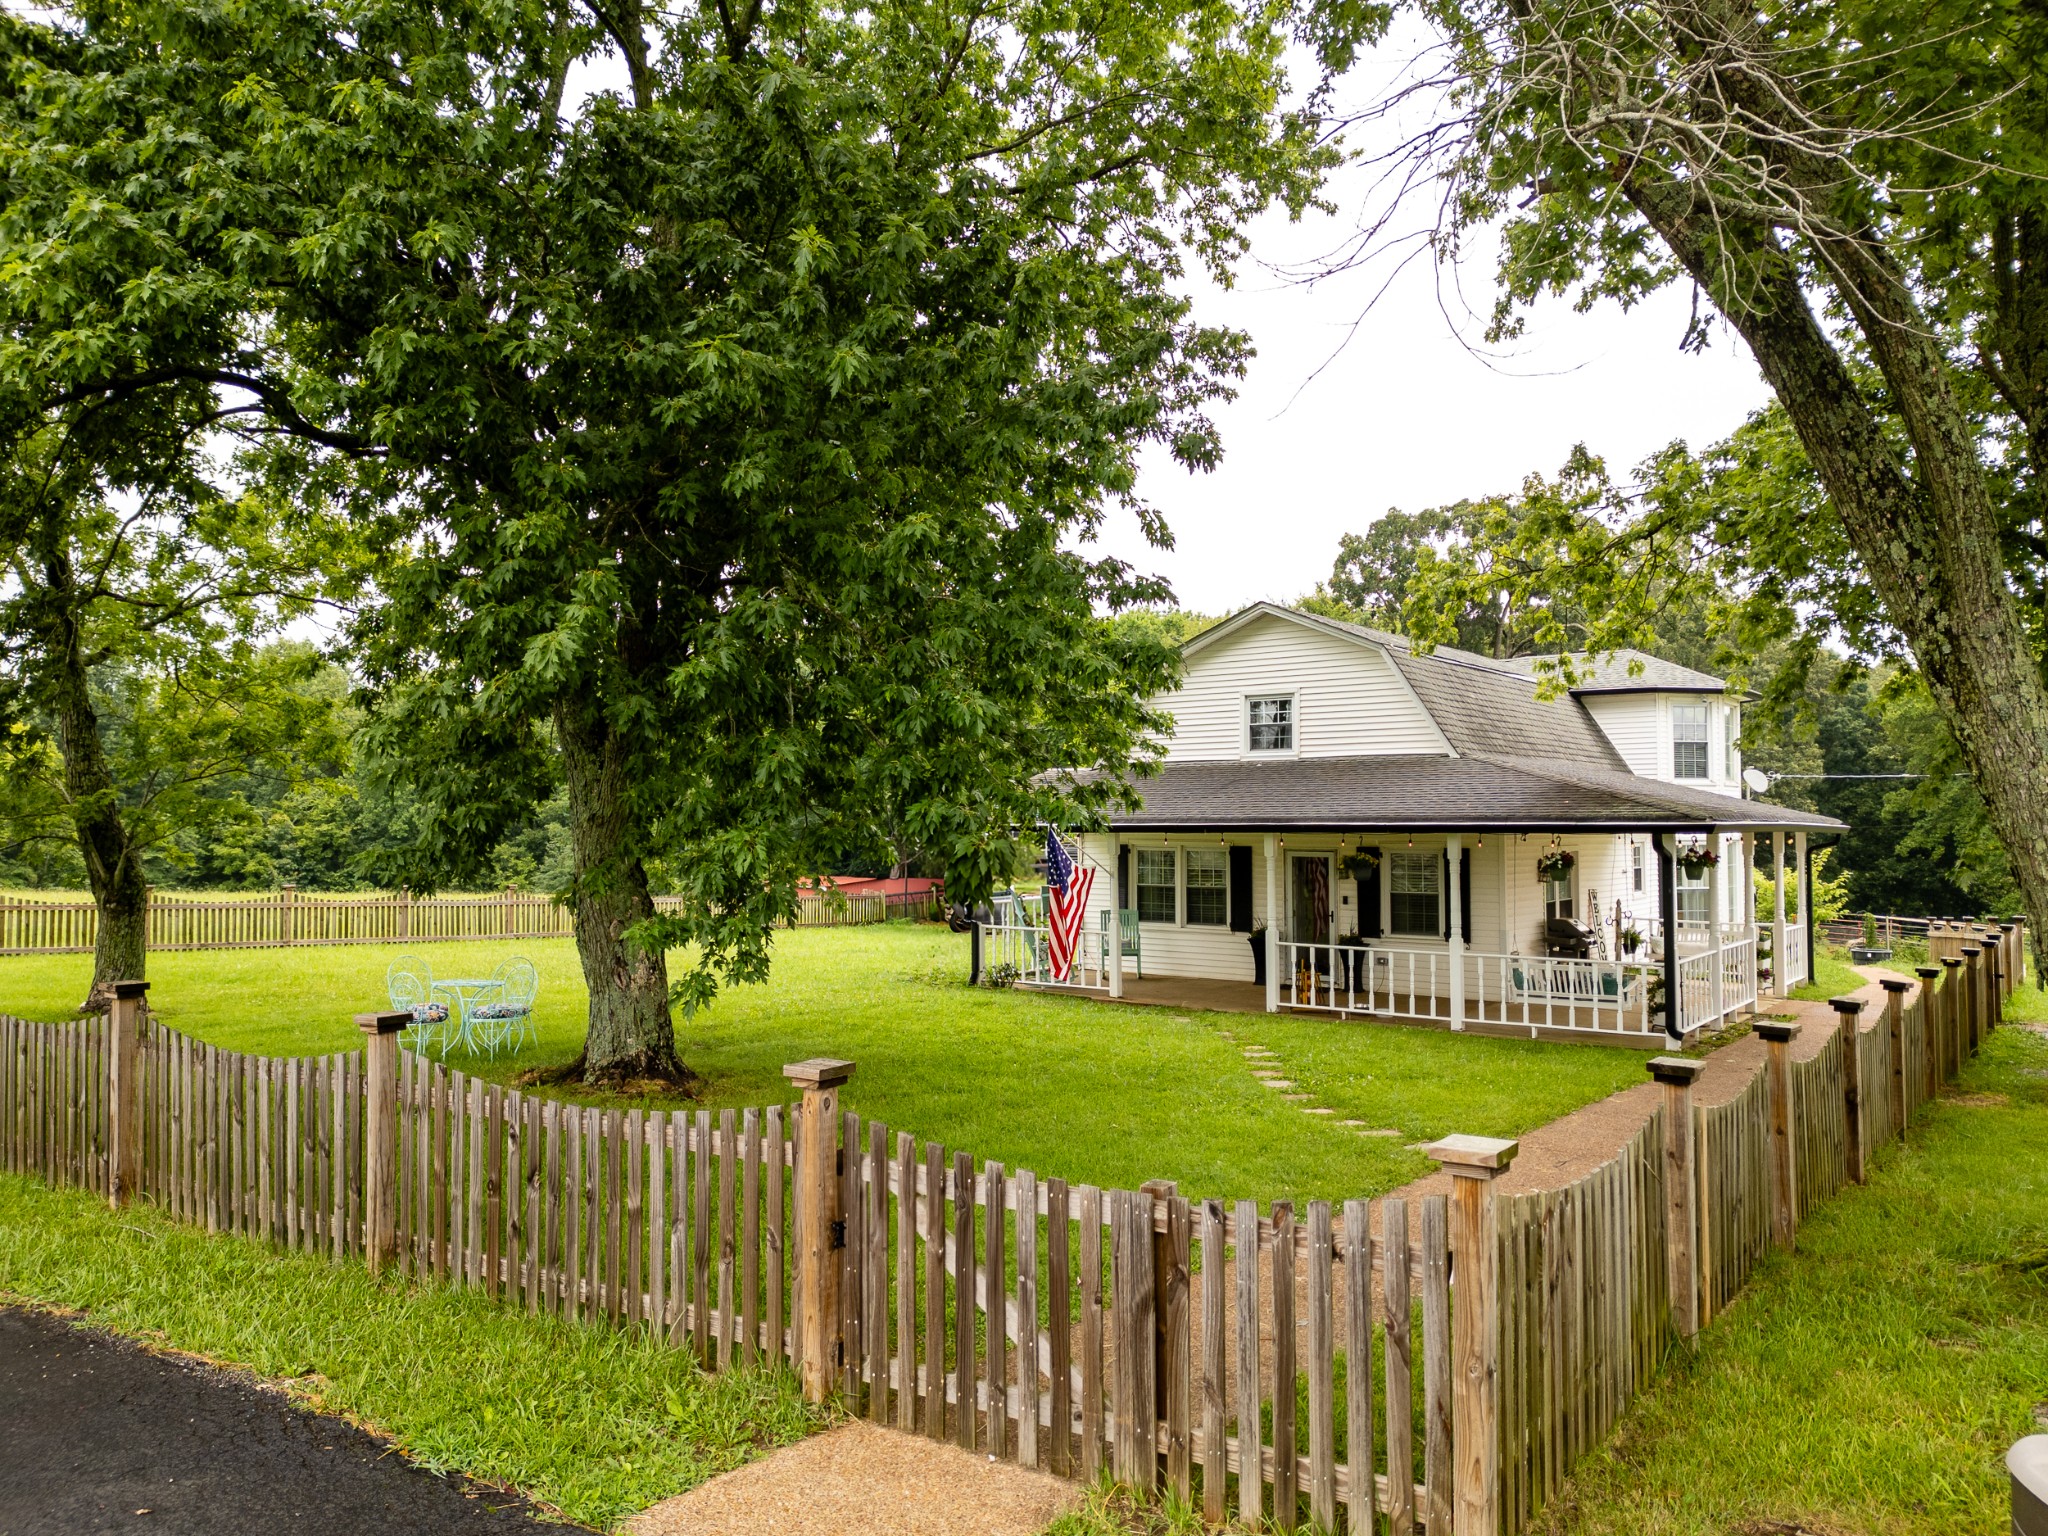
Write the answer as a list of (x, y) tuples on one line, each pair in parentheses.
[(1348, 826)]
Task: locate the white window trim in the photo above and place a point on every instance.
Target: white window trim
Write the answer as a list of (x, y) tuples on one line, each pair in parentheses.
[(1244, 723), (1436, 856), (1671, 735), (1179, 864)]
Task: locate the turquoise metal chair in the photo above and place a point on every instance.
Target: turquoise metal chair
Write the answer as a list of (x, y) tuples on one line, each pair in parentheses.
[(503, 1011), (410, 981)]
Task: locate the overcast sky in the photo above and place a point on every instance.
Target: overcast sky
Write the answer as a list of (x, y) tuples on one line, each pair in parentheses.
[(1408, 415)]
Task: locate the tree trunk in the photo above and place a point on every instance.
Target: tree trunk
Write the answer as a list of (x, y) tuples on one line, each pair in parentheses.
[(113, 866), (631, 1037), (1929, 540)]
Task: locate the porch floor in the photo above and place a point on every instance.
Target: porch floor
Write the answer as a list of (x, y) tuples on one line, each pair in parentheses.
[(1249, 997)]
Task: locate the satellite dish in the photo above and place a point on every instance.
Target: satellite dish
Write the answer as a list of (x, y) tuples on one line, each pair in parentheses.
[(1757, 780)]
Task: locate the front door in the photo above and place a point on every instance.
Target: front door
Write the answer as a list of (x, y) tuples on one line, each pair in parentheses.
[(1309, 910)]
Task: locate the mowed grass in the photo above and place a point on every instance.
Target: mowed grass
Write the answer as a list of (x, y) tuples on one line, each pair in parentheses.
[(1873, 1381), (1093, 1093), (593, 1423)]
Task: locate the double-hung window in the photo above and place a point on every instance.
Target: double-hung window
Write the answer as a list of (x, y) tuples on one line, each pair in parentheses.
[(1732, 723), (1155, 885), (1269, 723), (1413, 890), (1635, 867), (1693, 898), (1689, 741), (1208, 887)]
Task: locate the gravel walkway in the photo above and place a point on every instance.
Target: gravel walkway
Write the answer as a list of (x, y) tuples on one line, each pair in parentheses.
[(99, 1434)]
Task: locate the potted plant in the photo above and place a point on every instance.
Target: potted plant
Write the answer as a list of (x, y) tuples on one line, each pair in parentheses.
[(1555, 864), (1631, 940), (1696, 858), (1353, 943), (1655, 995), (1258, 938), (1869, 952), (1359, 865)]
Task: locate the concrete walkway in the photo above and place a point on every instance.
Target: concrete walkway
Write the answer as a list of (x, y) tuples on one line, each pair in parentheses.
[(862, 1478)]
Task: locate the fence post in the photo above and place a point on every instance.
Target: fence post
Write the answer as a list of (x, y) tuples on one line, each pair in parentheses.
[(285, 894), (1847, 1011), (2027, 1464), (1681, 1197), (124, 1092), (1951, 1015), (1474, 1162), (380, 1135), (1930, 1050), (823, 1232), (1994, 991), (1895, 1028), (1784, 1160), (1973, 991)]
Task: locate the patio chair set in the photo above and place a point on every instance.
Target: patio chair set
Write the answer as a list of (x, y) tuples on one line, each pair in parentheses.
[(476, 1014)]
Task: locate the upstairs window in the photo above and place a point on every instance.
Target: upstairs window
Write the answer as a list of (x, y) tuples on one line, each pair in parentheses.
[(1271, 723), (1155, 885), (1689, 741), (1733, 744), (1208, 891), (1412, 887)]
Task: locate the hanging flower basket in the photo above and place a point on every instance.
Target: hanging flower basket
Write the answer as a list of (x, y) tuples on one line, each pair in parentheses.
[(1555, 864), (1695, 858), (1359, 865)]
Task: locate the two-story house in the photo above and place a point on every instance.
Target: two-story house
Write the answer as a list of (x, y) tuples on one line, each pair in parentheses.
[(1353, 827)]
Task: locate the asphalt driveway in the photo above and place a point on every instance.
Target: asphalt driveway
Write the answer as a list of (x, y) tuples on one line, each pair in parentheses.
[(97, 1434)]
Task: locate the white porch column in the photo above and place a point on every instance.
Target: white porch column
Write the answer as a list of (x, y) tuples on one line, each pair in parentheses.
[(1745, 892), (1454, 848), (1717, 923), (1272, 926), (1781, 984), (1116, 919), (1805, 903)]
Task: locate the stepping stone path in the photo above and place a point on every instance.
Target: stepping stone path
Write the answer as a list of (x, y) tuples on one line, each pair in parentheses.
[(1263, 1063)]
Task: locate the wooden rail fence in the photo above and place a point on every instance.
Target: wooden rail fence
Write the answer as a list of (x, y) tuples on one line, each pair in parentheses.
[(1436, 1364), (34, 927)]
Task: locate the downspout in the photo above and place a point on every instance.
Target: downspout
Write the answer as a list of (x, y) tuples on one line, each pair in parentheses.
[(1667, 905)]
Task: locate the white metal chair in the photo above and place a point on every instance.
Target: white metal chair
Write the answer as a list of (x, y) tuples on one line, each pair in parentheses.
[(503, 1012)]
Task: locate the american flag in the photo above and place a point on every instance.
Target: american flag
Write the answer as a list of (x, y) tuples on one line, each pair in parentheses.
[(1068, 887)]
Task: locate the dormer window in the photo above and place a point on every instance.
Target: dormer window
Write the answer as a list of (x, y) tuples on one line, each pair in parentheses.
[(1270, 723), (1689, 741)]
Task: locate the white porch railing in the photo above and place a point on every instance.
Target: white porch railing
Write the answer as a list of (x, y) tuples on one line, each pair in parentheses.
[(1531, 992), (1026, 947)]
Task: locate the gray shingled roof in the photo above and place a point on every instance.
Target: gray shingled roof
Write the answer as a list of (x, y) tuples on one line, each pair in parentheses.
[(1612, 674), (1483, 705), (1475, 793)]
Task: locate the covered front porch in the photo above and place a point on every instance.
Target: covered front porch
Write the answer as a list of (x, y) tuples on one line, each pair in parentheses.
[(1550, 931)]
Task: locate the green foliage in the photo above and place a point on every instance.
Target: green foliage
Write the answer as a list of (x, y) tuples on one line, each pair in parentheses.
[(596, 1423)]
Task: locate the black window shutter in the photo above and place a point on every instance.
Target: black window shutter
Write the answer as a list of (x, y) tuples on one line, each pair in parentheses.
[(1240, 889), (1444, 900), (1465, 894), (1369, 897), (1123, 876)]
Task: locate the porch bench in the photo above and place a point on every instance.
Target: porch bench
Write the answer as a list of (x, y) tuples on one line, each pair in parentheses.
[(1573, 981)]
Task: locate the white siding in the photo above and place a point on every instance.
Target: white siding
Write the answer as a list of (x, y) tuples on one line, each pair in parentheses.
[(1348, 699), (1634, 723)]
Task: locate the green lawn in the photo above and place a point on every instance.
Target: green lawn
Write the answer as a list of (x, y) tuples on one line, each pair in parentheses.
[(1833, 976), (1107, 1095), (594, 1423), (1872, 1382)]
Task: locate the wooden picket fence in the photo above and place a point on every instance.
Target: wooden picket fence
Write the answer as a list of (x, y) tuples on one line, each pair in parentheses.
[(1433, 1364), (290, 918)]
